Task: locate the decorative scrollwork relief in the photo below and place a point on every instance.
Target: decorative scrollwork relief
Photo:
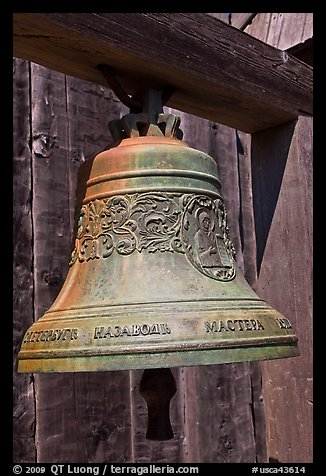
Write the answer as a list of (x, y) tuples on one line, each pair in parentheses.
[(158, 222), (125, 223)]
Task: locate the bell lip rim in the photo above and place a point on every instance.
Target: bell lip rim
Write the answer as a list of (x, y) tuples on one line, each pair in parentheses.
[(135, 350), (161, 360)]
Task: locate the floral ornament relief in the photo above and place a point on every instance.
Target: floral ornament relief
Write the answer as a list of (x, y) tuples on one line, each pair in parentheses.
[(183, 223), (127, 223)]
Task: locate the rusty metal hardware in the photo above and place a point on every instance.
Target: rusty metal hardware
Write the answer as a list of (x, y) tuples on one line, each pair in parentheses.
[(135, 105)]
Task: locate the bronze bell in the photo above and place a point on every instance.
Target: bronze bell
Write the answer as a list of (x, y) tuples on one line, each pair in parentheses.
[(153, 281)]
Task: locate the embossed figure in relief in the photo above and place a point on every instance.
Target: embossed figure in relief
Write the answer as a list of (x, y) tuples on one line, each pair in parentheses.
[(209, 253), (206, 237)]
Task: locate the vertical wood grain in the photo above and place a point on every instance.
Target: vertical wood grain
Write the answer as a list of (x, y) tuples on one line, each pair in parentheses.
[(308, 27), (246, 215), (24, 450), (281, 167), (292, 30), (282, 183), (56, 431), (260, 25), (282, 30)]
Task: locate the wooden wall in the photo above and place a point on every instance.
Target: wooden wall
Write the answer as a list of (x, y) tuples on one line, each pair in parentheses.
[(282, 30), (282, 184), (282, 190), (220, 413)]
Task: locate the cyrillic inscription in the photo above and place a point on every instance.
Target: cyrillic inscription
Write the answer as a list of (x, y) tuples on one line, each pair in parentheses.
[(51, 335), (234, 325), (131, 331), (284, 323)]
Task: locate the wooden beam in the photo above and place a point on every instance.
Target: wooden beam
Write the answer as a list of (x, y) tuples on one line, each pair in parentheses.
[(220, 73), (281, 160)]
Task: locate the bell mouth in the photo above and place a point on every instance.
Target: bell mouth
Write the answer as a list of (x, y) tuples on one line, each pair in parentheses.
[(156, 335)]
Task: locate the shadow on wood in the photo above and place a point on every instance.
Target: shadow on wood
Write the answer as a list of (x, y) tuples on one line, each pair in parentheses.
[(270, 150), (158, 387)]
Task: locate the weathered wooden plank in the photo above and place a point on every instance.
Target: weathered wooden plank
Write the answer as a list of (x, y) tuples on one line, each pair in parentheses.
[(251, 87), (298, 28), (50, 180), (308, 31), (259, 27), (190, 401), (56, 430), (241, 20), (292, 30), (282, 181), (24, 450), (281, 177), (267, 180), (282, 30), (226, 425), (246, 216), (248, 249), (258, 412), (102, 412), (275, 29)]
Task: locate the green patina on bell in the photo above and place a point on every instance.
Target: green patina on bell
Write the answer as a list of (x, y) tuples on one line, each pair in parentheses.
[(153, 280)]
